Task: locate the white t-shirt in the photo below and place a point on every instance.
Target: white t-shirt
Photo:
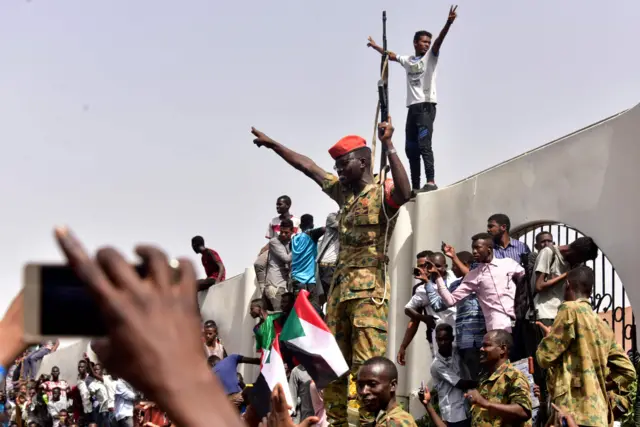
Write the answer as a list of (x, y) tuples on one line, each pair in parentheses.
[(421, 300), (421, 77), (273, 229)]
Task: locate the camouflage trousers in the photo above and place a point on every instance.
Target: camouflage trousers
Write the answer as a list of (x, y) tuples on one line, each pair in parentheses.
[(360, 328)]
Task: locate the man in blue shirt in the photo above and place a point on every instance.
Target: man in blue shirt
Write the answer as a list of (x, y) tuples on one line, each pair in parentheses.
[(470, 324), (227, 372), (304, 250), (499, 225)]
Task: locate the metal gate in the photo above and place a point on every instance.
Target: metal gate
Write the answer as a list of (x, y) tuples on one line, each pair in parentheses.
[(609, 298)]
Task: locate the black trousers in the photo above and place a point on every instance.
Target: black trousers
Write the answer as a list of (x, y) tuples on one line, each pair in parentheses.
[(418, 131)]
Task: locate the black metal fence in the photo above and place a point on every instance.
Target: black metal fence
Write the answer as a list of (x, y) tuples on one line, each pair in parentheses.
[(609, 297)]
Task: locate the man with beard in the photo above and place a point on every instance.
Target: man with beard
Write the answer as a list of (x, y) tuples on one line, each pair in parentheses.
[(358, 306), (499, 226), (377, 382), (504, 397)]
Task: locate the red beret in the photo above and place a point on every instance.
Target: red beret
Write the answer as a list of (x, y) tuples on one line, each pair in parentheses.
[(346, 145)]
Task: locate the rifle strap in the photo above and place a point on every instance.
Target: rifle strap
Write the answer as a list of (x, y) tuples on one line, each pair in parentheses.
[(375, 122)]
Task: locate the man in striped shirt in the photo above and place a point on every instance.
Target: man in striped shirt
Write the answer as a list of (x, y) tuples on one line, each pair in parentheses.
[(499, 225), (470, 324)]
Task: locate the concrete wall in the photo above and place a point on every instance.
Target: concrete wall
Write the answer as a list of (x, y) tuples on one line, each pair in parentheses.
[(587, 180)]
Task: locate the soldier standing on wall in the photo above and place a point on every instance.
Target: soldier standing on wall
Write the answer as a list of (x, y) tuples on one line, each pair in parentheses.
[(358, 302)]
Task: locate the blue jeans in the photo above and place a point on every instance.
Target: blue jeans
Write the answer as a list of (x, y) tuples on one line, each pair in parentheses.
[(32, 360)]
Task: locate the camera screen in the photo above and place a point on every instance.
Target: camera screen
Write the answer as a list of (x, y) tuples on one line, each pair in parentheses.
[(66, 306)]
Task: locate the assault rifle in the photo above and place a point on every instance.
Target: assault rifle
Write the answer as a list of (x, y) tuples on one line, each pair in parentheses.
[(383, 88)]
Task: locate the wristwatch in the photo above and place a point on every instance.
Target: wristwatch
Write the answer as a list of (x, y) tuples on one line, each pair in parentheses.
[(391, 151)]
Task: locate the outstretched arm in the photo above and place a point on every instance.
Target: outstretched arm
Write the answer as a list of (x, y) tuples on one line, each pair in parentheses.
[(372, 44), (450, 252), (298, 161), (438, 43), (249, 360)]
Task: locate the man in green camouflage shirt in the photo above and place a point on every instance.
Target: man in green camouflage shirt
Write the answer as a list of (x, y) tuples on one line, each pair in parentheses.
[(376, 382), (504, 397), (589, 373), (358, 305)]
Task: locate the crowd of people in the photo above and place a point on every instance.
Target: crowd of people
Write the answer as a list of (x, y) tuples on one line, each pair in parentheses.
[(502, 302), (93, 397), (485, 309)]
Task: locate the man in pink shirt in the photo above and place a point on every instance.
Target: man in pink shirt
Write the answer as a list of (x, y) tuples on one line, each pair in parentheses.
[(491, 280)]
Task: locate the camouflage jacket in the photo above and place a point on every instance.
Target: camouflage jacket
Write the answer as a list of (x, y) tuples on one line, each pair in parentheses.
[(507, 385), (362, 225), (396, 417), (580, 353)]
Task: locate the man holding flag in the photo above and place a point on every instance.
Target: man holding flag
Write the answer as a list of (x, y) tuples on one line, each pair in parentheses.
[(358, 305)]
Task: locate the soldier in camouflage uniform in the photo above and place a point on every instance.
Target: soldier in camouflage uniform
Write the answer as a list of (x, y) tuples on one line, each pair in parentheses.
[(589, 373), (504, 397), (376, 381), (358, 305)]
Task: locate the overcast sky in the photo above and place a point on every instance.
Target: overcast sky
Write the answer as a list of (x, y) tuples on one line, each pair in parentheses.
[(129, 121)]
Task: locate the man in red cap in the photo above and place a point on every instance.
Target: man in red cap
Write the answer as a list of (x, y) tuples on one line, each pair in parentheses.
[(358, 302)]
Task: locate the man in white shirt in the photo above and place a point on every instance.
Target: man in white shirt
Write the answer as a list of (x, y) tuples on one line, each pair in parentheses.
[(426, 305), (421, 100), (550, 273), (328, 248), (84, 381), (125, 397), (450, 379), (56, 405)]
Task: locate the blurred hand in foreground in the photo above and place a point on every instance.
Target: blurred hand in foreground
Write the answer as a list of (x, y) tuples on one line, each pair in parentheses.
[(153, 331)]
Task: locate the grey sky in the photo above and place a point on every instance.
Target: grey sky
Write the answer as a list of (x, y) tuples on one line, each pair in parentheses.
[(129, 121)]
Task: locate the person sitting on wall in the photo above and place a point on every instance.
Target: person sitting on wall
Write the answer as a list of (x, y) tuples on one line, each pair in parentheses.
[(211, 262)]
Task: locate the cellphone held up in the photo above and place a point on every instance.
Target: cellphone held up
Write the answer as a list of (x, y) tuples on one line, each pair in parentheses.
[(60, 304)]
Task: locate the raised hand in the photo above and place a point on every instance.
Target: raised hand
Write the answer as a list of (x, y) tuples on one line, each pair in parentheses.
[(371, 42), (426, 396), (261, 139), (449, 250), (452, 13), (279, 415), (432, 270), (385, 131), (12, 331)]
